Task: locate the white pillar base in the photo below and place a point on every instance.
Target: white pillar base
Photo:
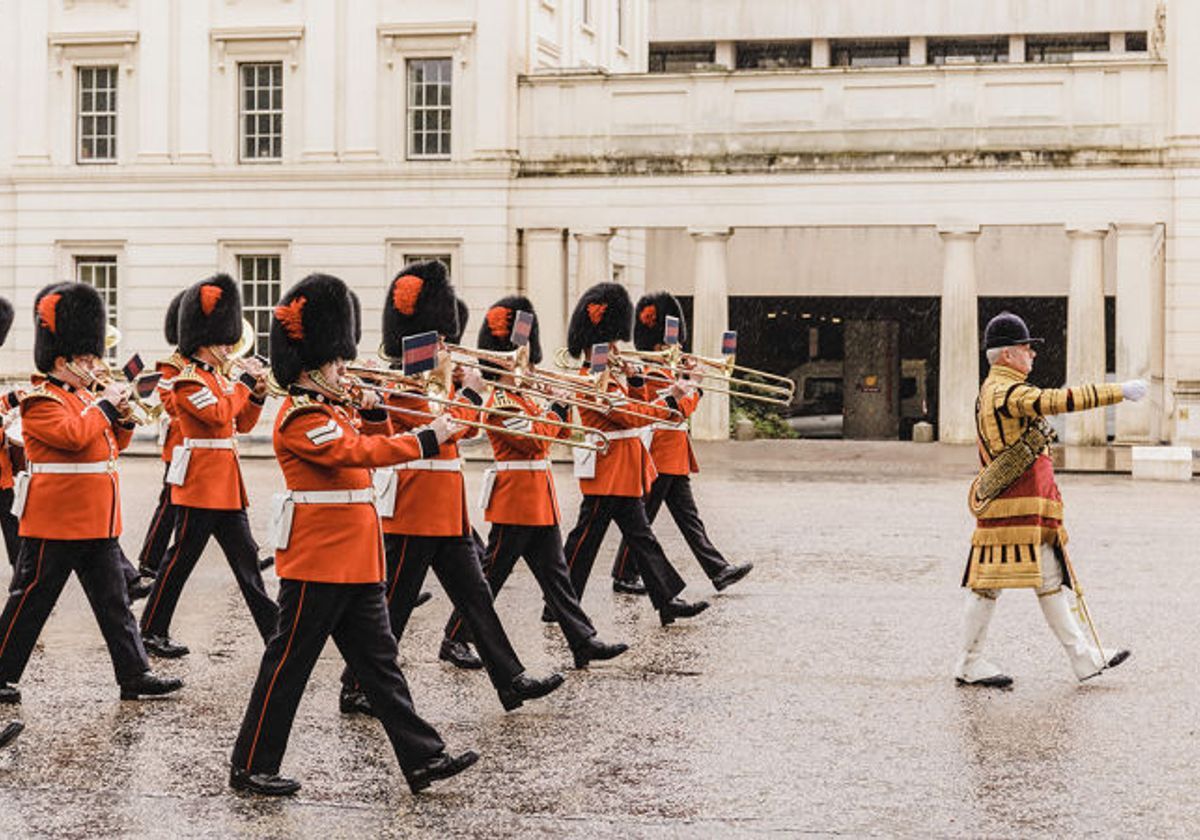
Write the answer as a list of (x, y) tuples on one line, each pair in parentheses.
[(710, 318), (958, 366)]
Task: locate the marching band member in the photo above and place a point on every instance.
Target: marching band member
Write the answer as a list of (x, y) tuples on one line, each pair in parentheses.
[(329, 546), (424, 504), (521, 502), (614, 482), (69, 502), (674, 459), (162, 522), (208, 490), (9, 403), (1019, 539)]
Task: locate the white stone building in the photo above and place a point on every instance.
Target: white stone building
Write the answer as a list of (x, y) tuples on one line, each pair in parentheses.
[(768, 160)]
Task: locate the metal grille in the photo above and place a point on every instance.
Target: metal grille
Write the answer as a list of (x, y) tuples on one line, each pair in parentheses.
[(100, 272), (429, 107), (261, 289), (262, 110), (97, 114)]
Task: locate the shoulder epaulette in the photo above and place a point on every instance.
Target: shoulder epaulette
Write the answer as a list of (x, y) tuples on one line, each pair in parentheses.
[(41, 392), (301, 405), (176, 360), (504, 401), (189, 374)]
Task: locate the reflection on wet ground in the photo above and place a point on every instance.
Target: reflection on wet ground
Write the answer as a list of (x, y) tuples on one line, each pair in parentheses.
[(813, 698)]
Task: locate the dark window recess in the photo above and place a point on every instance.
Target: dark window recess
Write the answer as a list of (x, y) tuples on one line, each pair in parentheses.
[(680, 58), (1136, 42), (869, 53), (773, 55), (966, 50), (1052, 49)]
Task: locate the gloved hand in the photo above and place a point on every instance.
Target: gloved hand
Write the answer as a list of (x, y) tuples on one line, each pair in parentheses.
[(1134, 390)]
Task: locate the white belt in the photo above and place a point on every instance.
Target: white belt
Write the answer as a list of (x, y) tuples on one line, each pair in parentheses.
[(430, 465), (366, 495), (74, 469), (210, 443), (681, 426), (626, 434), (521, 466)]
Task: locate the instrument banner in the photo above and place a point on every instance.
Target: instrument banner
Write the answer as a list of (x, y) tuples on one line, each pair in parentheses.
[(671, 331), (729, 343), (420, 353), (522, 328)]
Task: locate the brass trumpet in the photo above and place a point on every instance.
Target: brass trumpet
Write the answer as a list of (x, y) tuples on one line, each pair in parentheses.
[(139, 411)]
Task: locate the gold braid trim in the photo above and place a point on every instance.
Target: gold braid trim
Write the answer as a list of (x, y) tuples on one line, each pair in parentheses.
[(41, 392), (1019, 535), (301, 405), (1028, 506), (1005, 567), (189, 374)]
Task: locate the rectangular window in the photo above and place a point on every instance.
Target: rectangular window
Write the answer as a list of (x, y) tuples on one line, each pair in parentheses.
[(261, 110), (967, 50), (1055, 49), (429, 81), (1135, 42), (101, 273), (772, 55), (681, 58), (259, 275), (870, 53), (97, 115), (444, 259)]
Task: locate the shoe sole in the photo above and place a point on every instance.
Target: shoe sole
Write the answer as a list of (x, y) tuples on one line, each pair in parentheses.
[(10, 732), (161, 654), (142, 695), (721, 587), (988, 683), (244, 788), (671, 619), (11, 700), (583, 662), (424, 783), (476, 665)]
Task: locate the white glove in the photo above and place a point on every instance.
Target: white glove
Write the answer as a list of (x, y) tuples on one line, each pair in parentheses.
[(1134, 390)]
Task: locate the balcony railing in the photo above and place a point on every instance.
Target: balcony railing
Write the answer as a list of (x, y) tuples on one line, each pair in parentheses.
[(1109, 112)]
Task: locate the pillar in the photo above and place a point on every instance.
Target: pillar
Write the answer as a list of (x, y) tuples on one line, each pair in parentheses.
[(593, 264), (361, 138), (320, 81), (917, 50), (546, 285), (710, 318), (1139, 328), (194, 64), (1085, 329), (725, 54), (153, 85), (820, 52), (32, 79), (1016, 49), (958, 365)]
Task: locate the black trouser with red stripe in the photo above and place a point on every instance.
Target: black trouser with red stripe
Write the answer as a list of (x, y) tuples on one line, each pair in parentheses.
[(356, 616), (158, 538), (456, 565), (629, 512), (676, 491), (41, 573), (193, 527), (10, 526), (542, 548)]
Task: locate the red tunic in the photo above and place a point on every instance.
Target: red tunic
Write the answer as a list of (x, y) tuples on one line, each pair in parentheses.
[(210, 407), (321, 447), (429, 503), (671, 448), (170, 367), (626, 469), (63, 425), (522, 497)]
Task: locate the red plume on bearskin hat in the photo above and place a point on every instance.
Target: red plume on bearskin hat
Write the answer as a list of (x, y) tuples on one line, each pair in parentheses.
[(6, 318), (68, 321), (210, 312), (495, 333), (314, 323), (419, 299), (650, 319), (604, 313)]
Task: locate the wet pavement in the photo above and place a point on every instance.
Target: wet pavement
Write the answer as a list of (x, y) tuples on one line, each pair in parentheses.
[(812, 699)]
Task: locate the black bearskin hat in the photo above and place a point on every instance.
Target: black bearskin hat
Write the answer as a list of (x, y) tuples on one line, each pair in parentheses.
[(419, 299), (464, 315), (171, 322), (603, 313), (356, 305), (650, 320), (6, 318), (495, 333), (210, 312), (314, 323), (69, 321)]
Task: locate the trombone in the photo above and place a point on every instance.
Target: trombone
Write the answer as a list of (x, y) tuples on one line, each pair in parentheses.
[(139, 411), (395, 383), (517, 363), (777, 390)]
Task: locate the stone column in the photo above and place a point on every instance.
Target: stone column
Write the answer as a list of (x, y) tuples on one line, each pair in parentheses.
[(194, 64), (362, 70), (154, 88), (710, 318), (820, 52), (32, 84), (958, 365), (1085, 329), (546, 285), (1139, 328), (320, 81), (592, 261)]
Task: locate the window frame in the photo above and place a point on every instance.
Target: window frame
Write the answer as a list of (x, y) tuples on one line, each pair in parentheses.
[(229, 260), (78, 70), (1038, 43), (409, 108), (251, 311), (242, 114), (68, 253), (664, 49), (902, 45)]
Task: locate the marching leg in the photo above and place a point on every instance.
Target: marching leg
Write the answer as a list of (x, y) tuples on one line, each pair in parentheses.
[(10, 527), (595, 513), (499, 556), (662, 581), (626, 571), (1086, 660), (241, 552), (193, 528), (158, 537), (972, 668), (682, 505), (41, 573)]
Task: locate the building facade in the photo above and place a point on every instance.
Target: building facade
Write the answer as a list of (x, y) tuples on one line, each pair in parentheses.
[(785, 166)]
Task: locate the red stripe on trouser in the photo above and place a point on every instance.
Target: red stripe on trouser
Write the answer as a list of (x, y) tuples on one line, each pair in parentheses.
[(583, 536), (399, 566), (153, 533), (37, 575), (491, 562), (262, 716), (161, 584)]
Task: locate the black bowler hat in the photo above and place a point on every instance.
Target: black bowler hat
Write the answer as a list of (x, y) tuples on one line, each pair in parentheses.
[(1007, 330)]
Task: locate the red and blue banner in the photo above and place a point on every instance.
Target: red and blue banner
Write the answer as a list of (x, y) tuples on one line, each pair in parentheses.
[(522, 328), (671, 331), (420, 352), (599, 360), (729, 343)]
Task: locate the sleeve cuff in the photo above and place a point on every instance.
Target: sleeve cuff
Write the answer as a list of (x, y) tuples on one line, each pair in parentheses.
[(672, 403), (248, 380), (110, 411), (128, 425), (373, 415), (562, 410), (472, 396), (429, 443), (636, 381)]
